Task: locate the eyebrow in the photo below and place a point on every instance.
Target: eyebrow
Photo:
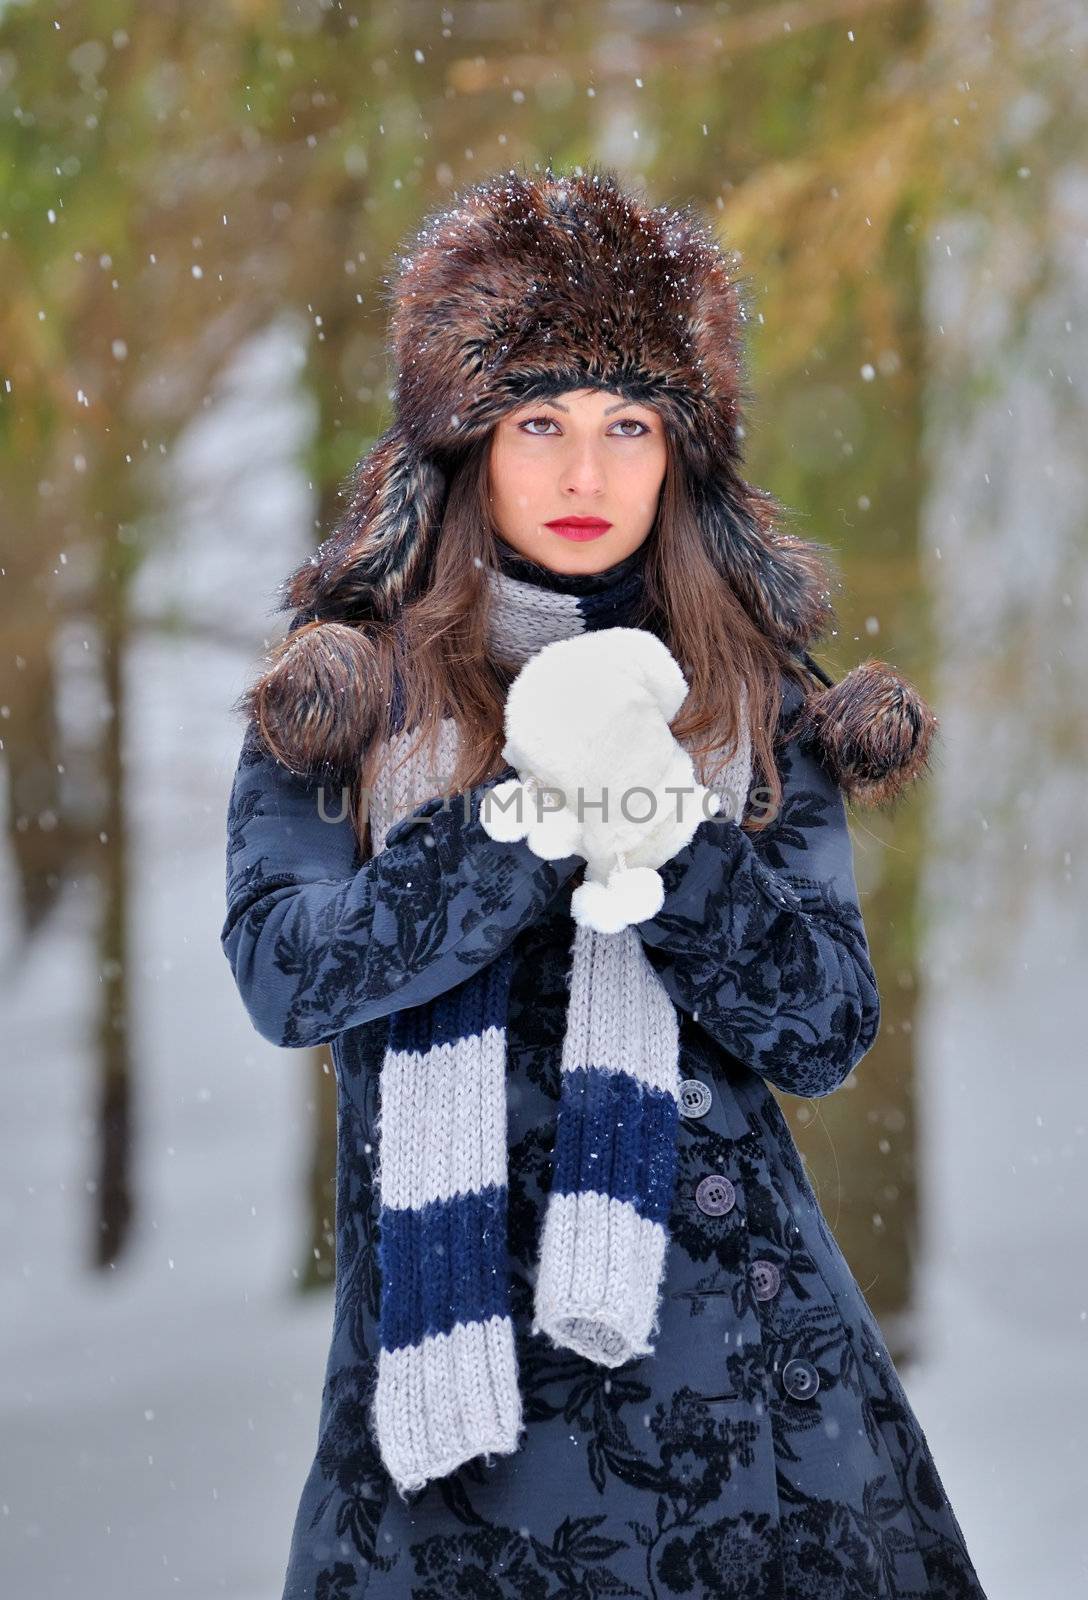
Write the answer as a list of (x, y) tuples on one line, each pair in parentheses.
[(619, 406)]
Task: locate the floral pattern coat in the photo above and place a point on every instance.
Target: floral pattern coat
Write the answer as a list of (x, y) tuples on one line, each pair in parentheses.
[(767, 1449)]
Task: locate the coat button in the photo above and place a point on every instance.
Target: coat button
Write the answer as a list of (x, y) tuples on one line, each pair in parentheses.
[(766, 1279), (694, 1097), (715, 1194), (800, 1379)]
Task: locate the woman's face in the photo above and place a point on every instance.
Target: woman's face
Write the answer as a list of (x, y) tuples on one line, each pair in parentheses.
[(585, 454)]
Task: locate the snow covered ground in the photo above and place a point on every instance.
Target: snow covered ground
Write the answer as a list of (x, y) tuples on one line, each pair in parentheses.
[(158, 1422)]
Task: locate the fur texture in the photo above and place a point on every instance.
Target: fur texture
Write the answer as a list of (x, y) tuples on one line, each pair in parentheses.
[(319, 701), (526, 286), (873, 730)]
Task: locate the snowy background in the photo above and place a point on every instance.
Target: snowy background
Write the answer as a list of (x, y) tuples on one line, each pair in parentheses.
[(199, 202), (158, 1422)]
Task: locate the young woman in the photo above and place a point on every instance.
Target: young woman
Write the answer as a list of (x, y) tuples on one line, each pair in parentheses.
[(592, 1333)]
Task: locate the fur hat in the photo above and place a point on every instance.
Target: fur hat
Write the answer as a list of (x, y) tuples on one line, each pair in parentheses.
[(529, 285)]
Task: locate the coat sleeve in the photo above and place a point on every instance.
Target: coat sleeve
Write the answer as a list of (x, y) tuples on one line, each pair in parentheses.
[(319, 941), (761, 939)]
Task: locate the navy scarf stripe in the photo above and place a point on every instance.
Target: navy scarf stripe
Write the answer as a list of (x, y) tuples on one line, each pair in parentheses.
[(623, 1143), (446, 1263), (462, 1013)]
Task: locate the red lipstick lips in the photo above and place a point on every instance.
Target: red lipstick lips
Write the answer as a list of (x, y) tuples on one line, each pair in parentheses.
[(580, 528)]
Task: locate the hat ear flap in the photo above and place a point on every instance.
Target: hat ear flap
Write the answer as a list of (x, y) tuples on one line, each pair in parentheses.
[(872, 732), (373, 560), (784, 582), (320, 698)]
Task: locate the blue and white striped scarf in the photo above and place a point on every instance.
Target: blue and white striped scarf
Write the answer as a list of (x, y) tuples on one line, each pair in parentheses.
[(446, 1386)]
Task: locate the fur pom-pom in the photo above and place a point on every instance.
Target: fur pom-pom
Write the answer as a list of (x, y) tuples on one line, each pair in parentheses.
[(557, 835), (553, 832), (507, 821), (872, 731), (631, 895), (317, 702)]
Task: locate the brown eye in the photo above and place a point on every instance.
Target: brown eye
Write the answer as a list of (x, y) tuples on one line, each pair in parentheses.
[(525, 423)]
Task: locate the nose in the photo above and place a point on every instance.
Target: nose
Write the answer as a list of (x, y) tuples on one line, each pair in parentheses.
[(582, 472)]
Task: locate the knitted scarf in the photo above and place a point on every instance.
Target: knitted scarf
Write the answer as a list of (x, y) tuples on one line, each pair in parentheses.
[(446, 1387)]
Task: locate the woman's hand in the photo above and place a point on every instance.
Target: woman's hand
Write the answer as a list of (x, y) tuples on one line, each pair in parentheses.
[(588, 719)]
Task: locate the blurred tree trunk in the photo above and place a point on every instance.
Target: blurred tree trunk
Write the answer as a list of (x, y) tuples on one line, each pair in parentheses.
[(334, 356), (318, 1268), (42, 836), (32, 759), (113, 1057)]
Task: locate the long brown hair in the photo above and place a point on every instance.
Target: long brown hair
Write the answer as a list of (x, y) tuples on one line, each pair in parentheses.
[(439, 651)]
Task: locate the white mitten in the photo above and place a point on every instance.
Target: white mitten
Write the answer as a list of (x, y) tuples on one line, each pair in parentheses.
[(587, 725)]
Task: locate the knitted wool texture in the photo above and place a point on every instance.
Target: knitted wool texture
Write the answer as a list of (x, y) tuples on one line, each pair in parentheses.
[(446, 1387)]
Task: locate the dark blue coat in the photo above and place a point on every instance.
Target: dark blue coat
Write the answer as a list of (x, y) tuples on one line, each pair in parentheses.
[(767, 1450)]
